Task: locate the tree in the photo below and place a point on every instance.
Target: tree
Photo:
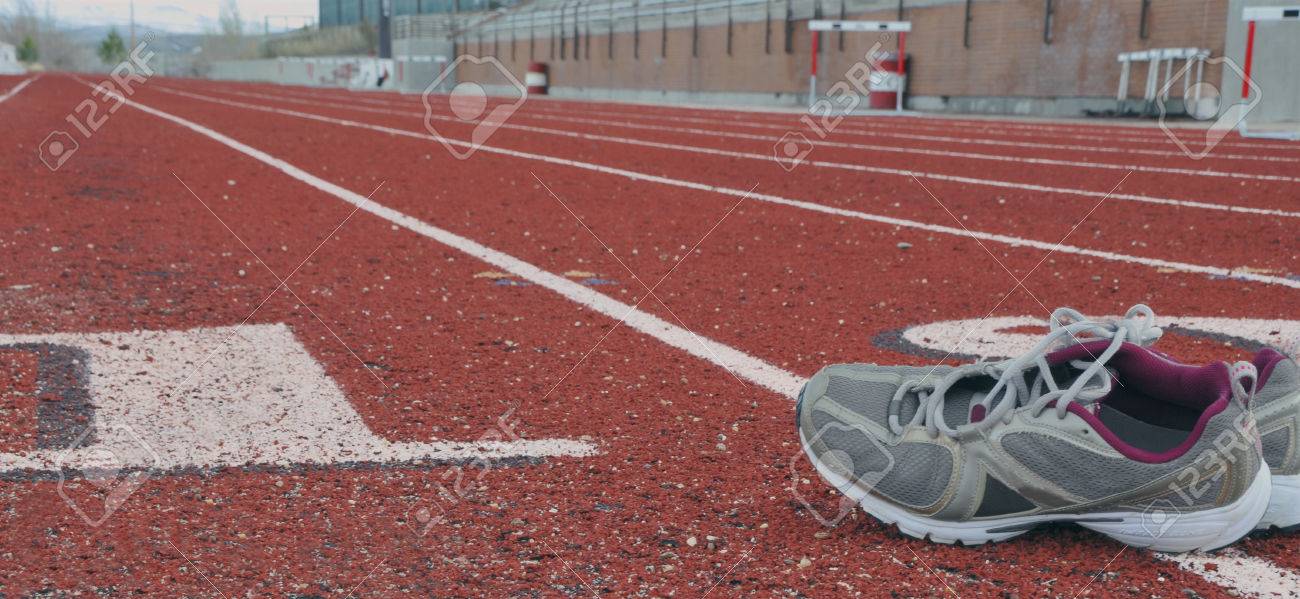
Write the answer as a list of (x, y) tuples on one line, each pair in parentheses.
[(39, 38), (112, 50), (232, 25), (27, 50)]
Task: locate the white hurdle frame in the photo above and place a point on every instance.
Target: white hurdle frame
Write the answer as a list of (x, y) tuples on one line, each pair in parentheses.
[(1156, 58), (1252, 15), (899, 27)]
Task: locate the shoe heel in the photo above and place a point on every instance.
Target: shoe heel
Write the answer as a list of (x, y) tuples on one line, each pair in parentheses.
[(1284, 505), (1204, 530)]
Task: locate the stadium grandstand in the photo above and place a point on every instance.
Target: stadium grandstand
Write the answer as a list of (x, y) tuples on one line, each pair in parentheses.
[(334, 13)]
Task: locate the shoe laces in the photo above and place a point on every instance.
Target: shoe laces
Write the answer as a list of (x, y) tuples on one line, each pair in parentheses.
[(1011, 392)]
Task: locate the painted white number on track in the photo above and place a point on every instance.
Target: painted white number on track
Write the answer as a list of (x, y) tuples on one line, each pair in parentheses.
[(261, 400), (992, 337)]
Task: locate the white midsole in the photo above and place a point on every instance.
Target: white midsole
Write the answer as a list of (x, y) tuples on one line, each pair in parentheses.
[(1203, 530), (1284, 505)]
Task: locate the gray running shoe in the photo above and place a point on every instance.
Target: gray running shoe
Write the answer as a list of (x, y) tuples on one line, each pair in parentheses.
[(1276, 406), (1087, 427), (1277, 410)]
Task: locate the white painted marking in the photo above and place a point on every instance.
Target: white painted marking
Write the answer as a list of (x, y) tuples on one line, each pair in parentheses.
[(991, 337), (939, 122), (159, 405), (13, 91), (878, 147), (878, 132), (750, 367), (949, 124), (1241, 574), (871, 125), (739, 193), (847, 127), (767, 157)]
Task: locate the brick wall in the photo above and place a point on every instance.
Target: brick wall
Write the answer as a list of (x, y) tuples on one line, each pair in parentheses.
[(1007, 54)]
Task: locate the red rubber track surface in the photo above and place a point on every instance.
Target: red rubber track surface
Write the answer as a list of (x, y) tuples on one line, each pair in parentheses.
[(686, 449), (1114, 225), (1143, 133), (1266, 161), (801, 274), (1002, 134)]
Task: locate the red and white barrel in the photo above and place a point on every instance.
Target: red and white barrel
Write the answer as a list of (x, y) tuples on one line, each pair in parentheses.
[(537, 78), (885, 84)]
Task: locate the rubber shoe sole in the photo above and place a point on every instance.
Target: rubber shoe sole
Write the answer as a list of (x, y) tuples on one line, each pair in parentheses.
[(1284, 505), (1204, 530)]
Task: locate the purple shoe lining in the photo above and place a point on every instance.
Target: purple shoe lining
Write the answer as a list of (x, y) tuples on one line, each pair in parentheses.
[(1145, 375)]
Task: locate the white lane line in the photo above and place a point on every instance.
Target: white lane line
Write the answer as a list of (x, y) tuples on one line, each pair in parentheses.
[(1158, 140), (872, 124), (877, 147), (765, 157), (876, 131), (549, 114), (750, 367), (13, 91), (846, 128), (1010, 240), (1099, 132), (1240, 573)]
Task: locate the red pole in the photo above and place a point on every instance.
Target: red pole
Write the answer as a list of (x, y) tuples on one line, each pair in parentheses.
[(1250, 52), (814, 53)]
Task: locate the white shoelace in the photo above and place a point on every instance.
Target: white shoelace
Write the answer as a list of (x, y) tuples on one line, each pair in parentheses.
[(1067, 327)]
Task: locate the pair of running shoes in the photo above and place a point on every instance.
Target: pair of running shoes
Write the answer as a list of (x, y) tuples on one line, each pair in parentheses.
[(1091, 426)]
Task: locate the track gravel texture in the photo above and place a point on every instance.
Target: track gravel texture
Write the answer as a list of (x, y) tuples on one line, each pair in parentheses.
[(152, 226)]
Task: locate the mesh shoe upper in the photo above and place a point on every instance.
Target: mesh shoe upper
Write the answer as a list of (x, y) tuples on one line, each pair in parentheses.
[(1277, 408), (867, 389), (1032, 462)]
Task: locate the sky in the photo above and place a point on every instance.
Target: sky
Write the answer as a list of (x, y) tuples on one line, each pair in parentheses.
[(181, 16)]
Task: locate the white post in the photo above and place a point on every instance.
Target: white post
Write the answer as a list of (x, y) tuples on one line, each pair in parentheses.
[(1169, 73), (1153, 73), (812, 70), (1200, 71), (1123, 80)]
